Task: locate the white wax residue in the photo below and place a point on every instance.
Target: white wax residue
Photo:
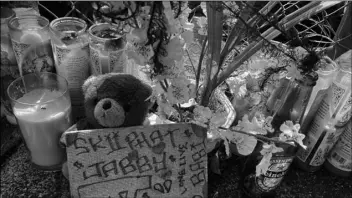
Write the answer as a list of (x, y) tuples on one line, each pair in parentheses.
[(31, 37)]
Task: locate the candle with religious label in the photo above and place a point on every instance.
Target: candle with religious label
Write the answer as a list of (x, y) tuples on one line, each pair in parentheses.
[(31, 44), (107, 49), (71, 54), (42, 107), (334, 112)]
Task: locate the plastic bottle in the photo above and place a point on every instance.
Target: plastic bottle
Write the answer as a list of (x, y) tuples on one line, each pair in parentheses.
[(339, 161), (332, 115)]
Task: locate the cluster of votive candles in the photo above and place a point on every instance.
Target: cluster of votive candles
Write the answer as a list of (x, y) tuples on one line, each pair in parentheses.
[(40, 99)]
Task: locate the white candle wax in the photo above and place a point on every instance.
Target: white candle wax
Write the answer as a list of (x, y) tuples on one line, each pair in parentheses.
[(104, 63), (42, 125), (31, 37)]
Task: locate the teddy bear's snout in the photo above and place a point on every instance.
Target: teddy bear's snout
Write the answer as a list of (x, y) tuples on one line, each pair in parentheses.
[(109, 113)]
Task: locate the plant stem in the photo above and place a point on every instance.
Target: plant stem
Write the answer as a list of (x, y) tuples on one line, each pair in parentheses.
[(259, 137), (199, 69), (163, 86), (178, 108)]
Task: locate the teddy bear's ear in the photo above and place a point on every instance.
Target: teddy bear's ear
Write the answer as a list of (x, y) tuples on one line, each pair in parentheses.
[(87, 83)]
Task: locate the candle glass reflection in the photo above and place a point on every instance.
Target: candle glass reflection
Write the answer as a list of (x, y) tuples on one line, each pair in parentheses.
[(31, 44), (107, 49), (42, 107)]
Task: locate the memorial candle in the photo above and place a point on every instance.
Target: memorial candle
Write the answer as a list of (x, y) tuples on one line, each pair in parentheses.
[(71, 54), (107, 49), (31, 44), (42, 107)]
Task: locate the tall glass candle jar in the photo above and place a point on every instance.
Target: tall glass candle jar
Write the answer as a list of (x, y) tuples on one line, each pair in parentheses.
[(42, 107), (71, 54), (9, 69), (335, 109), (31, 44), (107, 49), (326, 74)]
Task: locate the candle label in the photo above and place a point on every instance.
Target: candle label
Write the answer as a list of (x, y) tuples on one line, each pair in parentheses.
[(94, 61), (339, 103), (34, 58), (8, 62), (73, 64), (341, 155), (116, 62)]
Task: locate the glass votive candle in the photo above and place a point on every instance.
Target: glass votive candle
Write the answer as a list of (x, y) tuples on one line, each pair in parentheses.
[(31, 44), (107, 49), (42, 107), (9, 68), (69, 42)]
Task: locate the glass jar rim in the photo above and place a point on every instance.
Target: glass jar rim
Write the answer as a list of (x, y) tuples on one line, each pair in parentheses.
[(24, 17), (54, 24), (36, 74), (90, 32), (9, 13)]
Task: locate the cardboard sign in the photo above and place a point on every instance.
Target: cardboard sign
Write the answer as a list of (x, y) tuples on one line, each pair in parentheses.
[(146, 161)]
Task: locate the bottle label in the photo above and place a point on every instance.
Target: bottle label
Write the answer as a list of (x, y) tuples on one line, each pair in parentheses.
[(341, 155), (73, 64), (276, 172), (34, 57), (94, 61), (115, 61)]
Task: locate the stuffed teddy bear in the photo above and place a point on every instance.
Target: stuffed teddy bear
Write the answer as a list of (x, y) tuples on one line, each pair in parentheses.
[(113, 100)]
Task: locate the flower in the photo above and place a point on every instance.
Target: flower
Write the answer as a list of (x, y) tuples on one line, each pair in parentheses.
[(254, 126), (245, 144), (136, 46), (267, 124), (174, 49), (291, 132), (202, 114), (267, 152)]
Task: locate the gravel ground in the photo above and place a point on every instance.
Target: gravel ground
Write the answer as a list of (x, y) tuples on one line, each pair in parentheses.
[(19, 179), (296, 184)]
